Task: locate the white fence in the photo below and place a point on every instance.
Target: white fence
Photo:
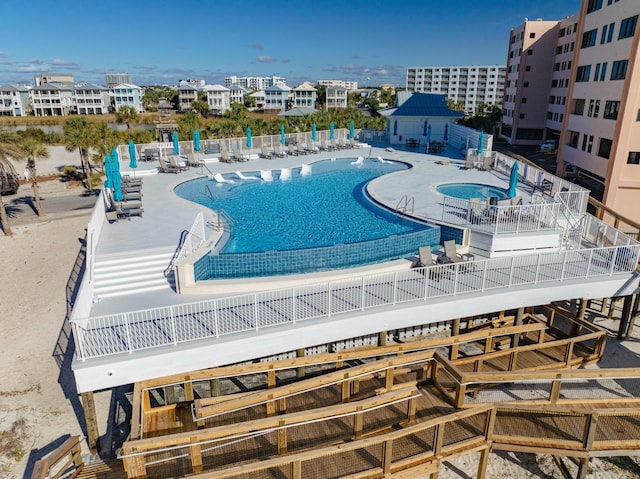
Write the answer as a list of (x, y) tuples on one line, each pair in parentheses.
[(171, 325)]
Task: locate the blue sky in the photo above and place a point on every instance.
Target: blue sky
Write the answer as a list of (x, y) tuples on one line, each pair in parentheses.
[(162, 42)]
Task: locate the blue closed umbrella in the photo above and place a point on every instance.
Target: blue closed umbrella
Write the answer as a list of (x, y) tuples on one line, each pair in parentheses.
[(196, 140), (282, 134), (513, 180), (446, 132), (480, 141), (133, 161), (331, 132), (117, 185), (424, 128), (429, 134), (176, 145), (352, 133), (395, 128), (249, 140), (314, 136), (108, 171)]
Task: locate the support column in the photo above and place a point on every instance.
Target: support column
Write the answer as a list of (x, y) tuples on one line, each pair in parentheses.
[(517, 322), (625, 320), (300, 353), (90, 420)]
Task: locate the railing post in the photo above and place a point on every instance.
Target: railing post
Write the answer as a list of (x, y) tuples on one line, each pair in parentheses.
[(255, 310), (127, 332), (328, 300), (215, 317), (484, 275), (173, 325), (293, 305), (564, 265), (535, 281), (79, 340), (362, 294), (586, 275), (395, 287), (511, 271)]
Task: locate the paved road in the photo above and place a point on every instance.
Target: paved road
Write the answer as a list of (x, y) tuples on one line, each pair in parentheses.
[(21, 207)]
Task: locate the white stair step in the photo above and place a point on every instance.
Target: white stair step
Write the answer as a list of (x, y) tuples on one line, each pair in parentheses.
[(106, 260), (126, 288), (129, 279), (113, 294), (103, 275), (131, 264)]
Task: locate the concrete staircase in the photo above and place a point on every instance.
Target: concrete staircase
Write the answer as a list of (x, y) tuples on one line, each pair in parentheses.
[(118, 275)]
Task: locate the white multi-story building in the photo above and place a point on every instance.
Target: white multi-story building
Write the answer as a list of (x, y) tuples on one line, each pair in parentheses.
[(470, 85), (349, 85), (128, 94), (277, 98), (53, 77), (237, 93), (254, 83), (187, 93), (52, 99), (538, 69), (91, 99), (14, 100), (218, 99), (336, 97), (601, 130), (114, 79), (304, 95), (192, 82)]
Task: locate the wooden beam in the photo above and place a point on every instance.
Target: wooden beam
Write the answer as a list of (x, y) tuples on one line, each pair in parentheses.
[(482, 463), (300, 353), (455, 331), (282, 438), (91, 420), (196, 456)]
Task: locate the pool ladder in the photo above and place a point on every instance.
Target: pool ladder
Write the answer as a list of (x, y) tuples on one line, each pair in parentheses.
[(223, 215), (406, 204)]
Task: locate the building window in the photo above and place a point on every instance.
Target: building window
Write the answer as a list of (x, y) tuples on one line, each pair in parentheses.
[(611, 109), (583, 73), (573, 139), (634, 158), (596, 109), (619, 70), (604, 150), (578, 107), (527, 68), (589, 38), (597, 72), (591, 103), (523, 100), (521, 115), (529, 52), (525, 84), (603, 37), (628, 27), (561, 32), (603, 72), (532, 35), (594, 5)]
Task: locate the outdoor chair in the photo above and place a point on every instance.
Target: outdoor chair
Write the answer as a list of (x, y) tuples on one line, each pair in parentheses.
[(264, 152), (278, 151), (424, 257), (292, 150), (516, 201), (239, 156), (193, 161), (173, 162), (165, 168), (486, 163), (225, 157)]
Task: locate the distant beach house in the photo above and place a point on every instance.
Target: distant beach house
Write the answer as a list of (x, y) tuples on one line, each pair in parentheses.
[(218, 99), (14, 100), (418, 115), (128, 94)]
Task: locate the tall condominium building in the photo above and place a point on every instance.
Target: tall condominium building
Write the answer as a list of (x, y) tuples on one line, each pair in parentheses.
[(254, 83), (539, 63), (348, 85), (112, 80), (601, 129), (471, 85)]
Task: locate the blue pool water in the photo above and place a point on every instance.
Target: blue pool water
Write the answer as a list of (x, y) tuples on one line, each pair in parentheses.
[(467, 191), (325, 208)]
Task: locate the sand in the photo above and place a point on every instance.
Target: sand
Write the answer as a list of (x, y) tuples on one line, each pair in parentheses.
[(39, 406)]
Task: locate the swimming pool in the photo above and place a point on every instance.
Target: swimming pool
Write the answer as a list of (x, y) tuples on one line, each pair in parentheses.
[(467, 191), (327, 209)]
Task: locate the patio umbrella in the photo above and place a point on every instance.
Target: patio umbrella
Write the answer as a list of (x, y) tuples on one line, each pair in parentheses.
[(352, 133), (331, 132), (480, 141), (196, 141), (133, 161), (282, 134), (115, 165), (424, 128), (176, 145), (429, 134), (314, 136), (117, 185), (249, 142), (107, 171), (513, 180), (446, 132)]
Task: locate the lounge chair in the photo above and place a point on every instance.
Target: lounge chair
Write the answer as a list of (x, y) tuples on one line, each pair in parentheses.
[(334, 145), (292, 150), (486, 163), (451, 252), (424, 257), (131, 195), (116, 210), (221, 179), (264, 152), (238, 155), (193, 161), (165, 168), (516, 201), (129, 180), (266, 175), (278, 151), (173, 162), (468, 164), (243, 177), (224, 155), (324, 146)]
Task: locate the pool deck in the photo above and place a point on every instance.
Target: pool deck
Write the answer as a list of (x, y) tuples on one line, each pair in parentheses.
[(166, 215)]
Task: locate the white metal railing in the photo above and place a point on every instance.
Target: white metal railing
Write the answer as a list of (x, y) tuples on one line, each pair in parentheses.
[(194, 238), (542, 216), (171, 325)]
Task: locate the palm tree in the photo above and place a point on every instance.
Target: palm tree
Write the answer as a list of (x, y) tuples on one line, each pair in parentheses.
[(8, 147), (79, 133), (127, 115), (34, 150)]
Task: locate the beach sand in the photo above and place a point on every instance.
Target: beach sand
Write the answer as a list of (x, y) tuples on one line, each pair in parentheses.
[(39, 406)]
